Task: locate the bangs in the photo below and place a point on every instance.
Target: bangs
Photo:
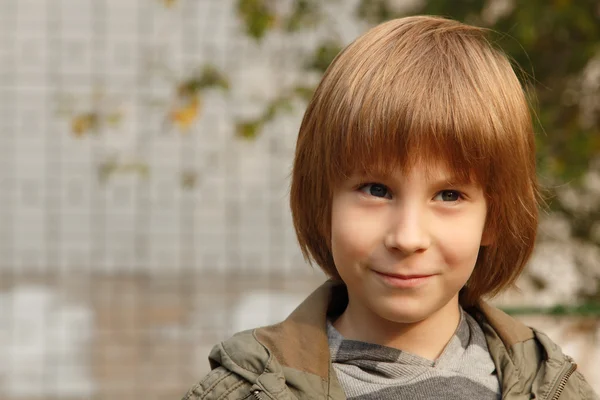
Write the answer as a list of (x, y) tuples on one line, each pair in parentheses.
[(378, 145), (440, 104)]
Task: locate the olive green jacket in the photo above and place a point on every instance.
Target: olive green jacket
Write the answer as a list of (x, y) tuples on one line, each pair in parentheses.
[(290, 360)]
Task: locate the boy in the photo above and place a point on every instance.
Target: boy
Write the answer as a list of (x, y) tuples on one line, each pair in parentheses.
[(414, 189)]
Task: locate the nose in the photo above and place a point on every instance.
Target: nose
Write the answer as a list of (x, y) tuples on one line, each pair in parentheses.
[(408, 231)]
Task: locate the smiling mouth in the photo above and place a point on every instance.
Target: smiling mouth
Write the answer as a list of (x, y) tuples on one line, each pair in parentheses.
[(401, 276), (403, 281)]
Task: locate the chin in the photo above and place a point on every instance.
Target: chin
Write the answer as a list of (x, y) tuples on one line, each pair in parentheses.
[(404, 315)]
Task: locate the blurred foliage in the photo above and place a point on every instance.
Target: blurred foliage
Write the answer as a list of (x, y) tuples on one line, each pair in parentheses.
[(305, 14), (551, 43), (92, 121), (185, 112), (319, 61), (375, 11), (324, 55), (84, 123), (208, 77), (168, 3), (188, 99), (189, 179), (102, 113), (112, 166), (260, 16), (249, 129)]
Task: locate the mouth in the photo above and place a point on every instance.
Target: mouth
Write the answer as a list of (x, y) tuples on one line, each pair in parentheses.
[(403, 281), (402, 276)]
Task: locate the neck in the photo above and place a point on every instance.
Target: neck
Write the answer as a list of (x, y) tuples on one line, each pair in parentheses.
[(426, 338)]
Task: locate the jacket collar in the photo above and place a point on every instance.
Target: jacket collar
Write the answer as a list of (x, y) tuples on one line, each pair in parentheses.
[(298, 349), (300, 342), (509, 330)]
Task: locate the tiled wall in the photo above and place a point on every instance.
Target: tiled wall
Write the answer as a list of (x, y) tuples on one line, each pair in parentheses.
[(196, 197)]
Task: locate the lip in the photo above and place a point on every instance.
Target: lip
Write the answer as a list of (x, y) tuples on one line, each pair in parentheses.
[(404, 281)]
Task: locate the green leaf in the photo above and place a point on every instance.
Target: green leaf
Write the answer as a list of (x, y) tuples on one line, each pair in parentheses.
[(324, 55), (248, 129), (375, 11), (305, 14), (257, 15)]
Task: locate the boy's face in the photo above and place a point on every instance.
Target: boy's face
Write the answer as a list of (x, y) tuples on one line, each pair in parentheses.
[(406, 245)]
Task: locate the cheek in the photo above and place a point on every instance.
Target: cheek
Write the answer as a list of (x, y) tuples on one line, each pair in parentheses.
[(462, 246), (345, 237), (353, 236)]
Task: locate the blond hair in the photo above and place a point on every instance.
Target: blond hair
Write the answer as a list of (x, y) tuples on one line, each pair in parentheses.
[(422, 89)]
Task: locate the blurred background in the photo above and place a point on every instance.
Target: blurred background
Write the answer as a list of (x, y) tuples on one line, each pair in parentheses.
[(145, 151)]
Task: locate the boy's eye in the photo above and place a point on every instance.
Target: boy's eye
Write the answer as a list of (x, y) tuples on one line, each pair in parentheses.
[(376, 190), (448, 195)]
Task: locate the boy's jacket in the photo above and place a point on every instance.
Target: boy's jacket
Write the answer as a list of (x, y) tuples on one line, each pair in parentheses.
[(290, 360)]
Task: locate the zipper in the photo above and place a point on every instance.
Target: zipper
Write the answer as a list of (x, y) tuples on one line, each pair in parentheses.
[(562, 382)]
